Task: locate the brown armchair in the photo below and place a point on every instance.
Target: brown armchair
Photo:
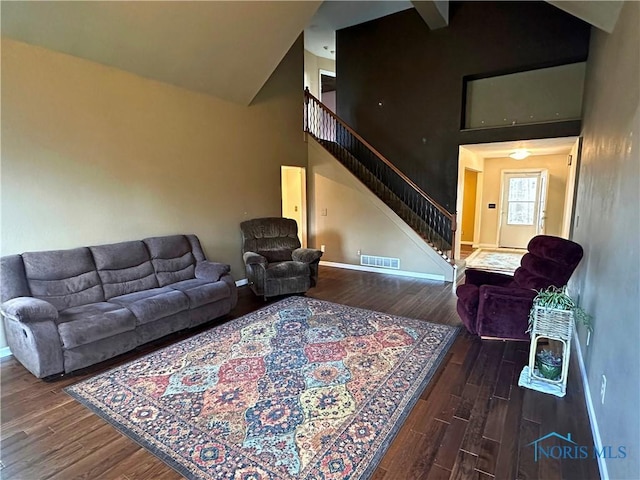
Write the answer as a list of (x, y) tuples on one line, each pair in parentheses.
[(274, 261)]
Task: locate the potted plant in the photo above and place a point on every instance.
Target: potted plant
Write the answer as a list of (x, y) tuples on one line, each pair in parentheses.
[(549, 364), (555, 298)]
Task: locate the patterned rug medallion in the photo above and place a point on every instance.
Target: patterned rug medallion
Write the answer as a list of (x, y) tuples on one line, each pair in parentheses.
[(301, 389)]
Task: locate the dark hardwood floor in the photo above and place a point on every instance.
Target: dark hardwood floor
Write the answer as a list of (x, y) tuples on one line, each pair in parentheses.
[(471, 422)]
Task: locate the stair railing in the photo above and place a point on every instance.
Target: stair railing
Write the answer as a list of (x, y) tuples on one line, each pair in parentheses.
[(434, 222)]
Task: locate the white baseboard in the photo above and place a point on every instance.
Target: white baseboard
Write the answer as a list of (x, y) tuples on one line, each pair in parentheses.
[(5, 352), (386, 271), (242, 283), (595, 431)]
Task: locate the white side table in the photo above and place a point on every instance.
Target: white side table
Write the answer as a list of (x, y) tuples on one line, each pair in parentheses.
[(552, 324)]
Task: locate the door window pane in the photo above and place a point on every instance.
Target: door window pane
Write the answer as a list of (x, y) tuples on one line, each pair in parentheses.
[(521, 201), (520, 213), (522, 189)]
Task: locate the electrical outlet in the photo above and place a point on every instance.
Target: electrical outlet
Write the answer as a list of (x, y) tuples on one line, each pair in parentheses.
[(359, 253), (322, 248), (603, 388)]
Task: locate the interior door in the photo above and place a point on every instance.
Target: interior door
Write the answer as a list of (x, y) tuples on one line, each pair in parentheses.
[(521, 216), (294, 198)]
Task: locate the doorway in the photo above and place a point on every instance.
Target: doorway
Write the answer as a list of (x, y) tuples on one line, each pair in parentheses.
[(328, 89), (469, 200), (294, 198), (523, 207)]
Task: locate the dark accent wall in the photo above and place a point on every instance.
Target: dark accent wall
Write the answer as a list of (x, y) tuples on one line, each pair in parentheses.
[(417, 77)]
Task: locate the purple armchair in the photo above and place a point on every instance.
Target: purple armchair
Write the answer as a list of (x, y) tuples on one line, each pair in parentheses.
[(497, 306)]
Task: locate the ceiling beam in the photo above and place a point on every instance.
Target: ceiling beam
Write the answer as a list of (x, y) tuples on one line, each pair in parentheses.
[(602, 15), (435, 13)]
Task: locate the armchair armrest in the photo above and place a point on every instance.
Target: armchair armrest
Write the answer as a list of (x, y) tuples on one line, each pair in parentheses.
[(482, 277), (306, 255), (252, 258), (28, 310), (211, 271)]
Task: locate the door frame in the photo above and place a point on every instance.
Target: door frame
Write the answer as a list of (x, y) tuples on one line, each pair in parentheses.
[(501, 215), (328, 73)]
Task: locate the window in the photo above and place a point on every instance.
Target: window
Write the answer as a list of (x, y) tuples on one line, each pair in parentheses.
[(522, 200)]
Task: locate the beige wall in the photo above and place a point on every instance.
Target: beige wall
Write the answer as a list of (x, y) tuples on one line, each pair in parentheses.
[(93, 155), (492, 178), (607, 225), (357, 220), (312, 66)]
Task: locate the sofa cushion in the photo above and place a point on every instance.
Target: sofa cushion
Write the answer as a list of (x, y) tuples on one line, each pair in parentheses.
[(88, 323), (64, 278), (201, 292), (287, 269), (172, 258), (151, 305), (124, 268)]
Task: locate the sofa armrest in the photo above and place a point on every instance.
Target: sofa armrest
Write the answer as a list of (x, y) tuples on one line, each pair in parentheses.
[(306, 255), (29, 309), (211, 271), (482, 277), (252, 258)]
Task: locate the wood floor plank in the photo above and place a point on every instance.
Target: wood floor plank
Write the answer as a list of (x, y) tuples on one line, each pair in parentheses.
[(507, 462), (488, 456), (438, 473), (494, 426), (49, 434), (451, 442), (464, 467), (528, 467), (425, 460), (505, 380)]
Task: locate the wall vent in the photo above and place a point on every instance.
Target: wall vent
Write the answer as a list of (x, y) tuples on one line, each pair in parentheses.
[(381, 262)]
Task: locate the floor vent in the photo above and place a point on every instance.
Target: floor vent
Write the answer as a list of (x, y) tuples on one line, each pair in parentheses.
[(382, 262)]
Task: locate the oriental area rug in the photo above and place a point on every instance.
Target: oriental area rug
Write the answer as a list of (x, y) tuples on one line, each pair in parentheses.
[(301, 389)]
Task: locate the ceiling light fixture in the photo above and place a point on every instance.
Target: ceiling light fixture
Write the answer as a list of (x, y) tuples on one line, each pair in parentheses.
[(520, 154)]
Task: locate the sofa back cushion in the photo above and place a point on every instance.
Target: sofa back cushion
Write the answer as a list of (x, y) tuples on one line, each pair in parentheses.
[(124, 268), (172, 258), (64, 278)]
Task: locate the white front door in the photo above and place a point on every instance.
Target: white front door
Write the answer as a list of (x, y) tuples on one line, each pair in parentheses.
[(521, 216)]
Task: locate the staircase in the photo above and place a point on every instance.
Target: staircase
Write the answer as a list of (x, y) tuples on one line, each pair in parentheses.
[(423, 214)]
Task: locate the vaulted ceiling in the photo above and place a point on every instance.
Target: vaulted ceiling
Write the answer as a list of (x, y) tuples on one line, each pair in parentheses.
[(223, 48)]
